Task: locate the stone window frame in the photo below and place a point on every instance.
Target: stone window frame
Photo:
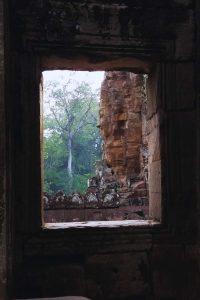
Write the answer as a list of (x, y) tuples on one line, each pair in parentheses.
[(119, 63), (26, 132), (30, 237), (31, 68)]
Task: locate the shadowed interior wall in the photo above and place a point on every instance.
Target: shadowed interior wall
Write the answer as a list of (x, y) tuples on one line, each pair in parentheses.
[(105, 263), (3, 278)]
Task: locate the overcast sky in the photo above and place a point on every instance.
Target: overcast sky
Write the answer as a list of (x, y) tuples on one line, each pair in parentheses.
[(93, 78)]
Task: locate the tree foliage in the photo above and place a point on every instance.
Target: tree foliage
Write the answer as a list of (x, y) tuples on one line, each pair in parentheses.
[(72, 141)]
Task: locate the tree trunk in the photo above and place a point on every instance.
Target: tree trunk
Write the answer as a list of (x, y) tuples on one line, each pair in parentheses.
[(69, 165)]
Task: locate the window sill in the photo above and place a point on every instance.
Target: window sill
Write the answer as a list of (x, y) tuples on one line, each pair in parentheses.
[(102, 224)]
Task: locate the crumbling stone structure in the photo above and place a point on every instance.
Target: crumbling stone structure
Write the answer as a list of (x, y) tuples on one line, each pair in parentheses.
[(123, 112), (142, 260), (122, 98)]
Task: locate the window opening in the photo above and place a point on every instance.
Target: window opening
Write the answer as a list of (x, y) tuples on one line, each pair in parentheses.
[(95, 146)]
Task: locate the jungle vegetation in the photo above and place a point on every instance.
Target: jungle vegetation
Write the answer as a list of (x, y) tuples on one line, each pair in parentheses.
[(71, 139)]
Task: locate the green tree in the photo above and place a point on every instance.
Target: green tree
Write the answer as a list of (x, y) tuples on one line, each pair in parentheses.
[(71, 140)]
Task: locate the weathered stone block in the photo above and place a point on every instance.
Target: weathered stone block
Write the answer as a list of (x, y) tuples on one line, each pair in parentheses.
[(169, 272), (154, 145), (185, 38), (114, 279), (155, 176)]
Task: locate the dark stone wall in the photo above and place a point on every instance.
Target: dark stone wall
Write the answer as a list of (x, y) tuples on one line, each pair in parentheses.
[(2, 163), (152, 262)]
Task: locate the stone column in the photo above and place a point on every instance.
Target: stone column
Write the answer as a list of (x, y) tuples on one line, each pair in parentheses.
[(122, 98)]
